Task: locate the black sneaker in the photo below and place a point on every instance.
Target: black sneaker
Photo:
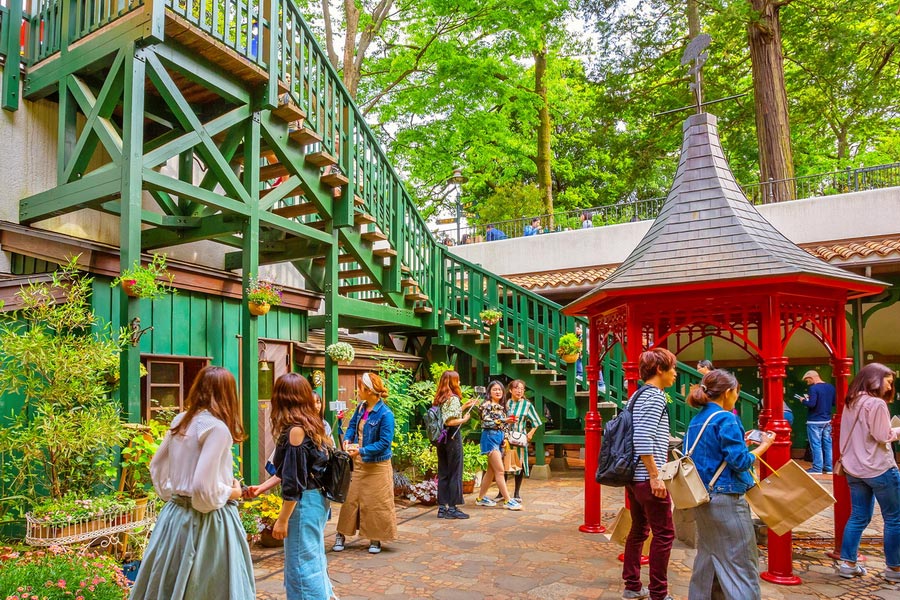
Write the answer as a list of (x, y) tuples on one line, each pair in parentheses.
[(442, 513), (455, 513)]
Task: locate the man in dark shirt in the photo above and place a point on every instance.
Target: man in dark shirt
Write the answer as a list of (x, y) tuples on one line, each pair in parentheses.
[(820, 400)]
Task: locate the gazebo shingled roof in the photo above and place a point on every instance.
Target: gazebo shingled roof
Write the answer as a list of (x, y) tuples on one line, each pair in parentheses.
[(708, 231)]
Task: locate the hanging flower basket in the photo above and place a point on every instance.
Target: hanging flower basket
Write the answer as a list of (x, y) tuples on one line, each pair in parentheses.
[(128, 286), (569, 347), (569, 358), (341, 352), (259, 308), (490, 317)]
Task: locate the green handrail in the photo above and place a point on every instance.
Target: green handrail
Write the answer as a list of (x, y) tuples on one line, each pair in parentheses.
[(680, 412), (531, 324)]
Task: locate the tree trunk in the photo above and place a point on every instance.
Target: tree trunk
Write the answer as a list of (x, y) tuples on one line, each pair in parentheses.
[(544, 175), (350, 74), (773, 131)]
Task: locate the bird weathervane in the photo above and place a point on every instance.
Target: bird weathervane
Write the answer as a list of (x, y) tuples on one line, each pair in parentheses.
[(695, 55)]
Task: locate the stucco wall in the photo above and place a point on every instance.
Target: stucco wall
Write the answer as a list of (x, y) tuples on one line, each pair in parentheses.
[(844, 216)]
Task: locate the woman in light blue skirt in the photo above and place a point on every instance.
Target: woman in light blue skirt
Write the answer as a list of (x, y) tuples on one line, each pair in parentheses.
[(198, 549), (300, 460)]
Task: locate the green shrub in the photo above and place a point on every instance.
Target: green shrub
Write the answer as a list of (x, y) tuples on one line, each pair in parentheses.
[(59, 574)]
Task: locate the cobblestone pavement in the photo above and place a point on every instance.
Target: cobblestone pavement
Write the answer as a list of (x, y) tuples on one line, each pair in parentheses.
[(540, 554)]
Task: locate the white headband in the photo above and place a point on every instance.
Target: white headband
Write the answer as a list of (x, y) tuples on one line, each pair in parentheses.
[(367, 381)]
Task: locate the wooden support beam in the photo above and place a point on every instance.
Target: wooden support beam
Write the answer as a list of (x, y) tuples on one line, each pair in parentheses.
[(94, 188)]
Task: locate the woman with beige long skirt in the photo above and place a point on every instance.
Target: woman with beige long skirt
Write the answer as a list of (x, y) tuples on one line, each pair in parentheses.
[(369, 508)]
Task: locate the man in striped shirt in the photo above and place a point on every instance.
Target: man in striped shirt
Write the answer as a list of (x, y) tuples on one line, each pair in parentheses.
[(651, 507)]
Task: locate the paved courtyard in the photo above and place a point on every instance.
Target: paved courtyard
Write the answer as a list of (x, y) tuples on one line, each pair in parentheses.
[(540, 554)]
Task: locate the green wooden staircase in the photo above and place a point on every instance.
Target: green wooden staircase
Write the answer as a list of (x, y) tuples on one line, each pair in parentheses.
[(290, 173)]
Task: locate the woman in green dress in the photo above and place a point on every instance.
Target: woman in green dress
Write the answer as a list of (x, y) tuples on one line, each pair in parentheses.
[(527, 421)]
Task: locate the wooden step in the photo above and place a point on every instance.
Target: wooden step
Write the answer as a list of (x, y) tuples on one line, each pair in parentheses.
[(362, 218), (272, 171), (321, 159), (342, 259), (334, 180), (523, 361), (295, 210), (384, 252), (410, 282), (360, 287), (320, 224), (453, 323), (405, 270), (297, 191), (351, 273), (264, 152), (507, 351), (304, 136), (289, 112), (418, 297), (483, 341), (373, 236), (542, 371), (469, 332), (583, 394), (558, 382), (423, 310)]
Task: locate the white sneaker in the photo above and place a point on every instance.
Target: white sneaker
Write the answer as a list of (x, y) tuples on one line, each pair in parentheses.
[(338, 543), (631, 595)]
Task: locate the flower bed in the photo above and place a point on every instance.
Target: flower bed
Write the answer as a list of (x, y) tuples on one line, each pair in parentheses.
[(59, 573)]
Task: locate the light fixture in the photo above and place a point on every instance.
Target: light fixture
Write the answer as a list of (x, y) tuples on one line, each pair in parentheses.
[(263, 363)]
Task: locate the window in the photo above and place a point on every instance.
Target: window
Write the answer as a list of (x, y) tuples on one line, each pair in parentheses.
[(166, 384)]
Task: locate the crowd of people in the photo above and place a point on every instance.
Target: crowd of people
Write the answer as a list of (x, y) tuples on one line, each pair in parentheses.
[(193, 472)]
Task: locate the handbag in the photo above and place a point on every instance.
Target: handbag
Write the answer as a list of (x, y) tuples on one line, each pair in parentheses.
[(517, 438), (335, 480), (787, 498), (838, 468), (682, 479)]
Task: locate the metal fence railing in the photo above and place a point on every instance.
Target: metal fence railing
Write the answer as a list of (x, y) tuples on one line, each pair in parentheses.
[(807, 186)]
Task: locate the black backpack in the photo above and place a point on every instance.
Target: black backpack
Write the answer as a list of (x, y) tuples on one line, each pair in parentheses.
[(617, 461), (434, 425), (335, 481)]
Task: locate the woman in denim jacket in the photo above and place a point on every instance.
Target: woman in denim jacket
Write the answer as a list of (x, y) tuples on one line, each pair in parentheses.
[(727, 561), (370, 502)]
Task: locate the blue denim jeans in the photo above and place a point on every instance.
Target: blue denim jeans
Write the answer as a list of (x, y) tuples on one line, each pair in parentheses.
[(305, 566), (819, 436), (863, 492)]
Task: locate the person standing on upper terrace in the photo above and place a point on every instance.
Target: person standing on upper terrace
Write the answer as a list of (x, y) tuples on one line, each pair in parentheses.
[(586, 221), (492, 233), (534, 228), (820, 400)]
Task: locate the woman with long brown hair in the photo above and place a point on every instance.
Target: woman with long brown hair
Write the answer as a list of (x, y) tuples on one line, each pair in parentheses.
[(198, 549), (450, 449), (868, 463), (300, 460), (370, 501), (494, 421)]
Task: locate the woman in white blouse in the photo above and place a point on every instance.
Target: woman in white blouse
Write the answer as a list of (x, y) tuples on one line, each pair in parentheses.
[(198, 549)]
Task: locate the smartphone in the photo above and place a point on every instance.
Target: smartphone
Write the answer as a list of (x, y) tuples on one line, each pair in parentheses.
[(799, 397), (756, 436)]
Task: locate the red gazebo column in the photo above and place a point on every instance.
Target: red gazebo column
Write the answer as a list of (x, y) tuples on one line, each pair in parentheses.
[(840, 370), (593, 428), (780, 568)]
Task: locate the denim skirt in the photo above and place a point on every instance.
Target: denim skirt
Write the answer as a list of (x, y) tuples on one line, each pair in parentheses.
[(305, 566), (196, 556), (491, 439)]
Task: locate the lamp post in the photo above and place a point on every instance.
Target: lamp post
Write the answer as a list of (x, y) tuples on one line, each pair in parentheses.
[(458, 179)]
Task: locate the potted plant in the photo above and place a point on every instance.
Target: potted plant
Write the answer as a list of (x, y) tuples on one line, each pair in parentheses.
[(55, 354), (490, 316), (341, 352), (569, 347), (262, 295), (425, 492), (474, 462), (153, 281), (73, 515), (265, 509)]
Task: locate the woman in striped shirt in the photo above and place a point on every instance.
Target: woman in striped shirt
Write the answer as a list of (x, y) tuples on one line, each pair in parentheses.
[(527, 422)]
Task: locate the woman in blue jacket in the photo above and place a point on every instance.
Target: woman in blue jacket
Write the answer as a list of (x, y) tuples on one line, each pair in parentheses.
[(369, 508), (727, 561)]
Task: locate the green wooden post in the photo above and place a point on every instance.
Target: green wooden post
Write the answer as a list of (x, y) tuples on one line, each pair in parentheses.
[(11, 47), (332, 298), (571, 405), (130, 219), (68, 136), (539, 458), (269, 33), (249, 324)]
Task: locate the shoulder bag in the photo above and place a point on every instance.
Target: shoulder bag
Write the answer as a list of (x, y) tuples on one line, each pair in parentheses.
[(682, 480), (838, 468), (517, 438)]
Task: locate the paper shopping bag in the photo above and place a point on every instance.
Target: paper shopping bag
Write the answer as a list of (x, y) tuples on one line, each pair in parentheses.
[(788, 498), (618, 530)]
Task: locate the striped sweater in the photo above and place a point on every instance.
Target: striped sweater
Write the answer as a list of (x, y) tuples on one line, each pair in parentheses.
[(651, 430)]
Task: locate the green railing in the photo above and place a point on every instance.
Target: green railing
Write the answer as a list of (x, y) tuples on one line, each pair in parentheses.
[(531, 324), (680, 413), (239, 24)]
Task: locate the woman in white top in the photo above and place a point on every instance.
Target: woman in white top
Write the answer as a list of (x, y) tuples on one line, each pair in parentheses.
[(198, 549)]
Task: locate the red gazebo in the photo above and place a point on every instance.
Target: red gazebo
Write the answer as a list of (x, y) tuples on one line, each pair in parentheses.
[(712, 265)]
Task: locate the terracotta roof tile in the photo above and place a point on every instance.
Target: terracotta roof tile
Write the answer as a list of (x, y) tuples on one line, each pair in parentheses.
[(562, 279), (838, 251)]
